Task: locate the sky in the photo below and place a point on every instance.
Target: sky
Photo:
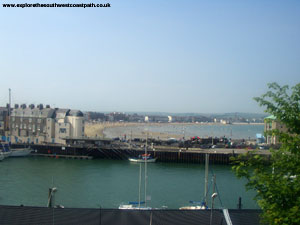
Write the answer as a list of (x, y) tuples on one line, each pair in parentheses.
[(149, 56)]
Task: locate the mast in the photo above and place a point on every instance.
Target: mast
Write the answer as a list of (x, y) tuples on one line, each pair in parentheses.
[(206, 177), (9, 115), (140, 183), (146, 170), (214, 189)]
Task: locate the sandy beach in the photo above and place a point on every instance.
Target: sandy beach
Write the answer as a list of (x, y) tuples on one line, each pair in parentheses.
[(122, 130), (164, 130)]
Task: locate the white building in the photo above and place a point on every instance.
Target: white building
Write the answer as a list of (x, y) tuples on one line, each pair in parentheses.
[(45, 125)]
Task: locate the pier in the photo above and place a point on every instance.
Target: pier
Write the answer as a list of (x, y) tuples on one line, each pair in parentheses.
[(125, 151)]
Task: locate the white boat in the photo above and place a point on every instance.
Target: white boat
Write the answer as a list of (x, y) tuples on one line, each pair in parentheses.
[(5, 150), (143, 158), (203, 205), (1, 156), (137, 160), (196, 207), (134, 207), (6, 154), (138, 205), (20, 152)]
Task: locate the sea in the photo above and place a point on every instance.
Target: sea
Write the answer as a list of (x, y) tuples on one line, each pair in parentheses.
[(234, 131)]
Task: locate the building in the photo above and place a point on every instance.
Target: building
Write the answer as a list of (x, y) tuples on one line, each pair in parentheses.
[(45, 125), (3, 120), (260, 139), (157, 119), (272, 124)]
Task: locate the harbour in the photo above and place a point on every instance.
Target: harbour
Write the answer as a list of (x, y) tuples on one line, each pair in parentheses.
[(108, 183)]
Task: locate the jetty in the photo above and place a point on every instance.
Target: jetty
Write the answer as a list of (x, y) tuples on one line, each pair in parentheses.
[(117, 150)]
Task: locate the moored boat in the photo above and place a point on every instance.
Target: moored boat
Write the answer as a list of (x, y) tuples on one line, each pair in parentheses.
[(202, 205), (5, 150), (20, 152), (143, 158), (1, 156), (134, 206), (196, 207)]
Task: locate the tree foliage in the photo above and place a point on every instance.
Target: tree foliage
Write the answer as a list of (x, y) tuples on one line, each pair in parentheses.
[(277, 178)]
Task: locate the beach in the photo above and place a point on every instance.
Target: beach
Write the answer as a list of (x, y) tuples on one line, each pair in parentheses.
[(164, 131)]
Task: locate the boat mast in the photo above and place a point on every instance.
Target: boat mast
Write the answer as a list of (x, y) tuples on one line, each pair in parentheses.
[(140, 183), (146, 170), (206, 177), (9, 115)]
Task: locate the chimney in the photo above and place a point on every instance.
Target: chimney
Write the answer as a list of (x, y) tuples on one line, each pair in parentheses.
[(40, 106)]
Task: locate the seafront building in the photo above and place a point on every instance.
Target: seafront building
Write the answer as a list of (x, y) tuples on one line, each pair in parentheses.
[(45, 125), (272, 124), (3, 120)]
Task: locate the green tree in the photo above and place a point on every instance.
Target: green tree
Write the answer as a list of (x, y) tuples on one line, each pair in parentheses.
[(276, 178)]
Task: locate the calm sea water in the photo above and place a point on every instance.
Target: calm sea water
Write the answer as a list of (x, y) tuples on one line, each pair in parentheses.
[(244, 131), (107, 183)]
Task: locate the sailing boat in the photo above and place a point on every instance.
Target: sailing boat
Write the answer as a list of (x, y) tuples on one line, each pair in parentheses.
[(142, 158), (137, 205), (20, 152), (204, 203)]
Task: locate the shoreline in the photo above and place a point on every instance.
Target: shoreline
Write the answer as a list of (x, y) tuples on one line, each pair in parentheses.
[(102, 129)]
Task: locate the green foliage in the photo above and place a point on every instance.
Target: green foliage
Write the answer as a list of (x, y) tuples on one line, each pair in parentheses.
[(276, 178)]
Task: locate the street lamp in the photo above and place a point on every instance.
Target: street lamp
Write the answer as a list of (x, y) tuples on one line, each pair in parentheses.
[(213, 196)]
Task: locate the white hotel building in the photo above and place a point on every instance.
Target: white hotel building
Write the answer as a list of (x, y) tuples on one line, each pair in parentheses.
[(45, 125)]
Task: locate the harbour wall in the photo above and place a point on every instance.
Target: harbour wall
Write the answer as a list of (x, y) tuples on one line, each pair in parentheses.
[(163, 154)]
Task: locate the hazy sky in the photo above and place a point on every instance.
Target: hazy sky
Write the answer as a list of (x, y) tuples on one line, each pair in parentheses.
[(166, 56)]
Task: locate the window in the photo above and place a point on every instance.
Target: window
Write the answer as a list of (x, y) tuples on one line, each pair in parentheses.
[(30, 120), (62, 130)]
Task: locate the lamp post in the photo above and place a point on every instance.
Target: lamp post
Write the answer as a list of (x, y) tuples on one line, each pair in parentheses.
[(213, 196), (99, 213)]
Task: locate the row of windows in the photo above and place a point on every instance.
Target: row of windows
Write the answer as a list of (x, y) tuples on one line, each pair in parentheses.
[(24, 126), (29, 120), (39, 113)]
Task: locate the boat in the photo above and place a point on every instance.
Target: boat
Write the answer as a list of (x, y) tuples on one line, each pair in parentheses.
[(130, 206), (134, 206), (196, 207), (200, 205), (1, 156), (143, 158), (138, 205), (20, 152), (16, 152), (5, 150)]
